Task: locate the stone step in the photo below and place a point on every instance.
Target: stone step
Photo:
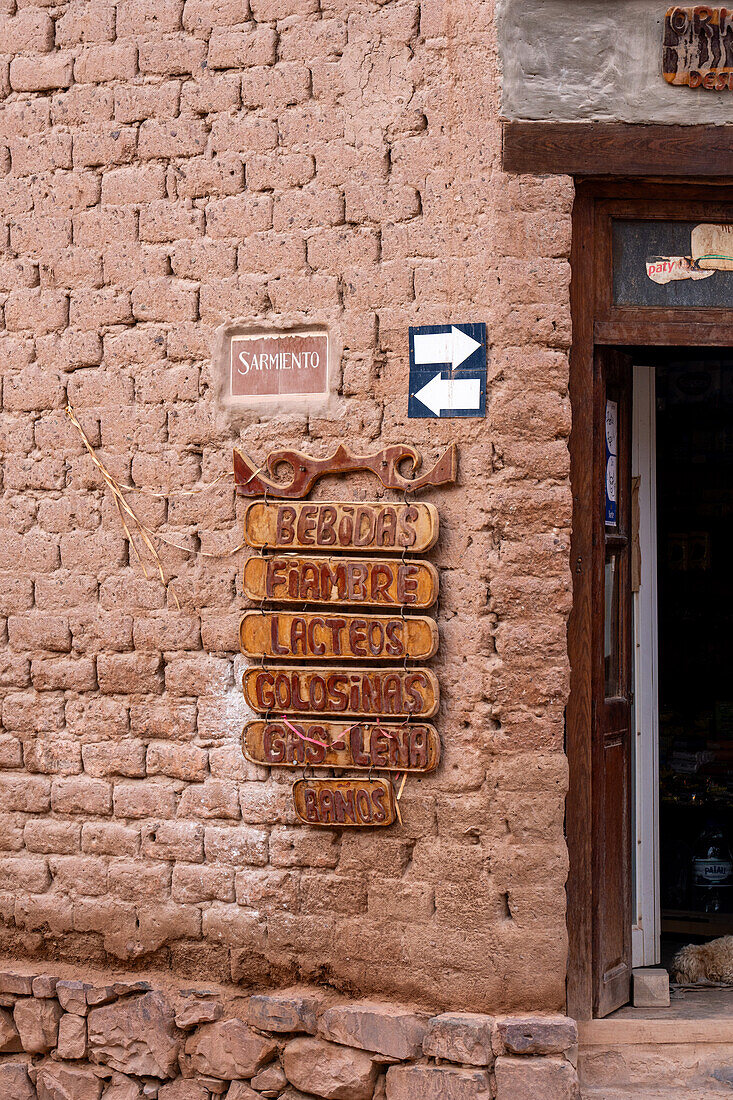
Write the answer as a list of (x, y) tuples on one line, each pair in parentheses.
[(645, 1092)]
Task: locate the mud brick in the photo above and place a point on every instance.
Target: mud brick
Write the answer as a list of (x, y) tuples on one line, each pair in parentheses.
[(173, 840), (210, 94), (40, 74), (200, 16), (172, 55), (152, 800), (106, 143), (30, 31), (177, 138), (81, 795), (85, 23), (234, 49), (142, 183), (134, 103), (97, 64)]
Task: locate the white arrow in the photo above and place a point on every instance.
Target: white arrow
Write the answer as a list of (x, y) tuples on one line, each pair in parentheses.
[(450, 393), (452, 347)]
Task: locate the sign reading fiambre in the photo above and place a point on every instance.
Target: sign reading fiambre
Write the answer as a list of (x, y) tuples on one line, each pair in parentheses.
[(409, 747), (375, 583), (290, 635), (279, 364), (372, 527)]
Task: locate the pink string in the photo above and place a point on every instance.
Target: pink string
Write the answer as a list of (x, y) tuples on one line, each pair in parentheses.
[(302, 736)]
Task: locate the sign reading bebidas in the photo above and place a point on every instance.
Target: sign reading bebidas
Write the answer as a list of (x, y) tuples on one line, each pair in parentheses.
[(698, 47), (272, 365), (371, 528)]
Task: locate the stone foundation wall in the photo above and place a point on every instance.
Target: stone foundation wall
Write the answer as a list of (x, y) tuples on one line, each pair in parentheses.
[(112, 1038)]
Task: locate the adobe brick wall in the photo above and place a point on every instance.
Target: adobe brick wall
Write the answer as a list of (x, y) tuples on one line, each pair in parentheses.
[(167, 166)]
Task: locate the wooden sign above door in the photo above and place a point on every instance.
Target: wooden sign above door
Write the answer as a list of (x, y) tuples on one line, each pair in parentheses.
[(372, 528), (697, 47), (377, 583), (291, 636)]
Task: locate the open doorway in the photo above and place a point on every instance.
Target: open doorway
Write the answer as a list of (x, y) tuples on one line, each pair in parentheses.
[(633, 813), (682, 475)]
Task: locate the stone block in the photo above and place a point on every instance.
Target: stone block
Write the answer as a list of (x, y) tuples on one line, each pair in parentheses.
[(15, 1084), (229, 1049), (328, 1070), (284, 1011), (10, 980), (44, 985), (537, 1034), (72, 1040), (384, 1029), (192, 1011), (66, 1083), (136, 1036), (463, 1037), (529, 1078), (271, 1080), (440, 1083), (37, 1022), (9, 1039), (72, 996), (650, 987)]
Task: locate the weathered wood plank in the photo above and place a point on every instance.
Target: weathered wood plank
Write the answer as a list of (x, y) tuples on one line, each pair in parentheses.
[(617, 149), (291, 636), (373, 528), (410, 747)]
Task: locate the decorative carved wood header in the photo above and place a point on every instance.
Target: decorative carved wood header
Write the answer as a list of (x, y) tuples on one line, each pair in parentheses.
[(306, 470)]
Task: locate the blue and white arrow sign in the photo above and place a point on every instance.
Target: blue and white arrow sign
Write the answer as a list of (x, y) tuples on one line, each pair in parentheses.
[(447, 371)]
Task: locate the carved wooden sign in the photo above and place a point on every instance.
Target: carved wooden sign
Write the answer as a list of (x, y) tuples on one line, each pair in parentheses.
[(344, 801), (370, 583), (370, 528), (293, 636), (409, 747), (389, 693), (698, 47)]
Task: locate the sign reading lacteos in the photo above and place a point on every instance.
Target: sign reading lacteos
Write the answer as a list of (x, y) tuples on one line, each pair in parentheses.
[(323, 711)]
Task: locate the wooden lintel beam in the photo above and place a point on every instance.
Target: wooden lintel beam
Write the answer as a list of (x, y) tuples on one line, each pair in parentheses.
[(617, 149)]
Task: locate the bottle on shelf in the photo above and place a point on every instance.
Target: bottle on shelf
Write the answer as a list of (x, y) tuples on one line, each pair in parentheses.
[(712, 871)]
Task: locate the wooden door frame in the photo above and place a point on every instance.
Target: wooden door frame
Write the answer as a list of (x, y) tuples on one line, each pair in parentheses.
[(596, 322)]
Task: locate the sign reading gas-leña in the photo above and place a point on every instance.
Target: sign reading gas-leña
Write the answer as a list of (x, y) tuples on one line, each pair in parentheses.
[(272, 365), (447, 371), (311, 742)]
